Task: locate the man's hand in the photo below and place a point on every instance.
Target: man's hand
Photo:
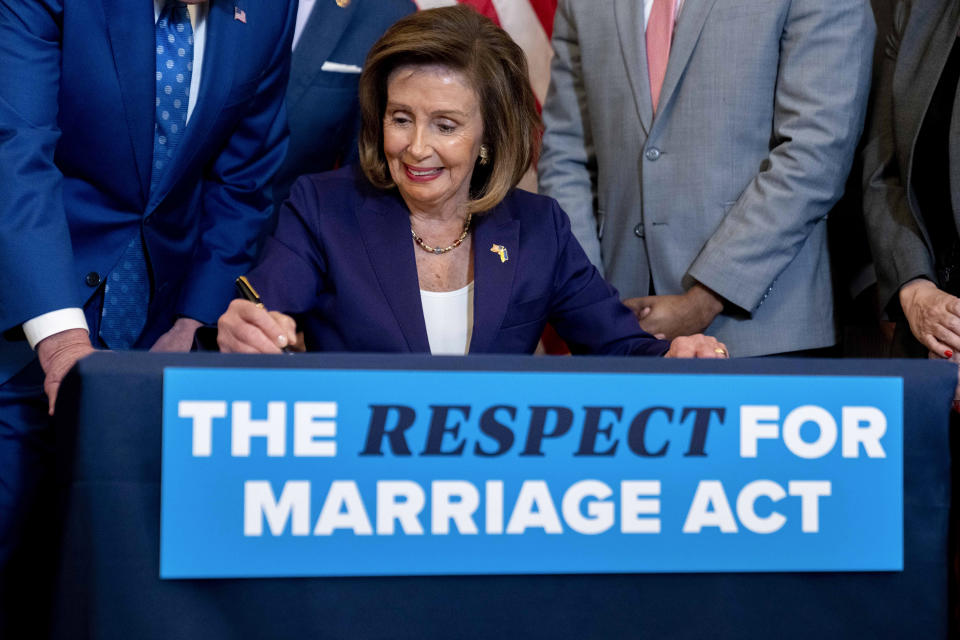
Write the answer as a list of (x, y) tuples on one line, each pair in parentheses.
[(57, 354), (934, 316), (179, 338), (671, 316)]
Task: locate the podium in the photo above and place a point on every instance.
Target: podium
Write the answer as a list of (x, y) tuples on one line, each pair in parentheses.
[(109, 586)]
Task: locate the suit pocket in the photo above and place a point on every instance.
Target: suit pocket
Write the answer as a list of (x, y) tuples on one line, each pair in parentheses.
[(520, 313)]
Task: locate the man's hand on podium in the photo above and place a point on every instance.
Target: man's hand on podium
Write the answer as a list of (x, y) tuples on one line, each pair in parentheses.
[(58, 353)]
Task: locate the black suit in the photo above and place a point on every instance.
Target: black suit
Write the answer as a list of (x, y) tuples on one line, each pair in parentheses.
[(912, 183)]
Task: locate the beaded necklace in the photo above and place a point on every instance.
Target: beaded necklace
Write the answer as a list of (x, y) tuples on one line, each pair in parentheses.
[(441, 250)]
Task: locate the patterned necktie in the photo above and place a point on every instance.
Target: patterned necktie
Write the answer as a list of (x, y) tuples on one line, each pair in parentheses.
[(127, 292), (659, 34)]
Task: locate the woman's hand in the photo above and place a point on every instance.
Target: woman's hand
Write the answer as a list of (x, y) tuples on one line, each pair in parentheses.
[(697, 346), (955, 358), (933, 315), (247, 328)]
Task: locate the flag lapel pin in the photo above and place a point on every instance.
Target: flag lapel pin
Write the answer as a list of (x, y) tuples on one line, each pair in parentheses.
[(239, 14), (500, 250)]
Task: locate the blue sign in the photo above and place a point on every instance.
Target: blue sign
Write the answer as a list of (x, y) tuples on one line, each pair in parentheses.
[(270, 473)]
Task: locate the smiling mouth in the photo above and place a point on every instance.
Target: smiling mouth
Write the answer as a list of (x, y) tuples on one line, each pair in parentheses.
[(423, 173)]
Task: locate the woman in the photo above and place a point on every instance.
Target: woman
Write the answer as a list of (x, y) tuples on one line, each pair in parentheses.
[(430, 248), (912, 176)]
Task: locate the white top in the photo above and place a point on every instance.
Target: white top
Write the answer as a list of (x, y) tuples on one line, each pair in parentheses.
[(449, 319), (53, 322)]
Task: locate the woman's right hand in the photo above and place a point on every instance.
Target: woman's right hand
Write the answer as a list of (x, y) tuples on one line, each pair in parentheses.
[(933, 315), (247, 328)]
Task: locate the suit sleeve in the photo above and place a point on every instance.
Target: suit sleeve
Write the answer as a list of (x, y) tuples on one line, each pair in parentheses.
[(586, 311), (900, 252), (819, 105), (567, 169), (237, 197), (290, 273), (36, 256)]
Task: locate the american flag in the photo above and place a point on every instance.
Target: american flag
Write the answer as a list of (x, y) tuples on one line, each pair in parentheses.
[(529, 23)]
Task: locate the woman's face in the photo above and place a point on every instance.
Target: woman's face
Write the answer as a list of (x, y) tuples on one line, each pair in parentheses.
[(432, 131)]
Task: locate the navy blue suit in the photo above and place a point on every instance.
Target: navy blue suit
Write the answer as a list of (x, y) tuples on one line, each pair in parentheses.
[(321, 104), (342, 260), (77, 120), (77, 112)]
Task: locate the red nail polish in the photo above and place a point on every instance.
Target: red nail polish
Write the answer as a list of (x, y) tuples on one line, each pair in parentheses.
[(948, 353)]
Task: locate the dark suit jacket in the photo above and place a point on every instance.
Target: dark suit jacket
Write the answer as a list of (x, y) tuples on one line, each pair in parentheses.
[(922, 36), (77, 93), (343, 260), (322, 105)]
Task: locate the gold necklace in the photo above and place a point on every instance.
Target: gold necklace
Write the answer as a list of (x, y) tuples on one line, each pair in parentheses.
[(438, 250)]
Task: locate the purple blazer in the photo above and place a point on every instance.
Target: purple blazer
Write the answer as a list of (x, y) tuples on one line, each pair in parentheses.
[(341, 260)]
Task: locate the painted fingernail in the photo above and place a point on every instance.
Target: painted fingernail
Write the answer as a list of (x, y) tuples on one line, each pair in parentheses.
[(281, 341), (948, 353)]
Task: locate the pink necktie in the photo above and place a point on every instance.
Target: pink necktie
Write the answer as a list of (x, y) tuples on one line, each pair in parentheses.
[(659, 35)]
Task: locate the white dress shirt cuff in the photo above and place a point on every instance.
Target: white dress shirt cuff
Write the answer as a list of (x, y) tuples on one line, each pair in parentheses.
[(54, 322)]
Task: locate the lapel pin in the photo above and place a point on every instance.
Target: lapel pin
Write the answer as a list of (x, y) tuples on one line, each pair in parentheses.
[(343, 4), (500, 250), (239, 14)]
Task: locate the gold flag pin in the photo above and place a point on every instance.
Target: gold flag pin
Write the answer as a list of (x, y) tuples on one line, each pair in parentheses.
[(500, 250)]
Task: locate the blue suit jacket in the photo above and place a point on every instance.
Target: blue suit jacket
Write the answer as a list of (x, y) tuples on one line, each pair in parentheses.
[(322, 105), (77, 94), (343, 261)]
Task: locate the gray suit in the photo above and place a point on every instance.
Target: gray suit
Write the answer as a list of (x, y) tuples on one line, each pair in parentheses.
[(730, 184), (922, 36)]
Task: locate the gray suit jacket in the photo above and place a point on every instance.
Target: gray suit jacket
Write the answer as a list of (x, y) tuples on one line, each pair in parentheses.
[(922, 35), (730, 184)]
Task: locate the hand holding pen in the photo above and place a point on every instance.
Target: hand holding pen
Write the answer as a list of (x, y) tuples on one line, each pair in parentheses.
[(247, 326)]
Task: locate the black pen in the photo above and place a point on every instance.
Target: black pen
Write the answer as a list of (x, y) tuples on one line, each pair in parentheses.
[(249, 293)]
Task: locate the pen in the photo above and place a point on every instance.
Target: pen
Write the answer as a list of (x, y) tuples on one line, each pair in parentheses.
[(247, 291)]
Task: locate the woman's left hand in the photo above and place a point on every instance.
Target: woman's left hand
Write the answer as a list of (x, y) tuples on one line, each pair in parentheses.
[(954, 358), (697, 346)]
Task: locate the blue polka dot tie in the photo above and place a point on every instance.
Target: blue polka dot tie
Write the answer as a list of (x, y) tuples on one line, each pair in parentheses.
[(127, 291), (174, 68)]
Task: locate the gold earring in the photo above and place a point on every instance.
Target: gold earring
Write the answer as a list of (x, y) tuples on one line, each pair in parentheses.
[(484, 155)]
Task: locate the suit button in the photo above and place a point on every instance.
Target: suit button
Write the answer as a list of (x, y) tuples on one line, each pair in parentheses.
[(638, 230), (92, 279), (652, 154)]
